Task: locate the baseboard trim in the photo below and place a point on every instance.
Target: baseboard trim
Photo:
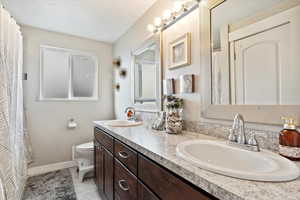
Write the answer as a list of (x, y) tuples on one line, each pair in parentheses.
[(33, 171)]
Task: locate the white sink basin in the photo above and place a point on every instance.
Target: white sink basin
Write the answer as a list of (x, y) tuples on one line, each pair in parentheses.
[(219, 157), (123, 123)]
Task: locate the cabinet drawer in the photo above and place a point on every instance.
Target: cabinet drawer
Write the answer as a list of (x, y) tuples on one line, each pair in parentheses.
[(126, 155), (125, 183), (105, 139), (166, 185), (144, 193)]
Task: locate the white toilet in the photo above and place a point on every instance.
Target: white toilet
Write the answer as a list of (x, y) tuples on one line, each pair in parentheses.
[(83, 154)]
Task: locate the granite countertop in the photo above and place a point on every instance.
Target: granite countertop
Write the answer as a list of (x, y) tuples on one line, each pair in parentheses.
[(161, 148)]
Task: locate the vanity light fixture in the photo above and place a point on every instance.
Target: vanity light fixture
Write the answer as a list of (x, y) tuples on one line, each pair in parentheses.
[(157, 22), (180, 9), (178, 6), (151, 28), (167, 15), (204, 2)]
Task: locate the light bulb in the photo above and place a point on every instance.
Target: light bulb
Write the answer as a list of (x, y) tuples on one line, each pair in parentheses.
[(151, 28), (203, 2), (177, 6), (167, 14), (157, 21)]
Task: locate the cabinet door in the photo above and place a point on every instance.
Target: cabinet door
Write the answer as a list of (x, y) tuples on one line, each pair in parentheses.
[(144, 193), (99, 167), (125, 183), (105, 139), (109, 175), (166, 185)]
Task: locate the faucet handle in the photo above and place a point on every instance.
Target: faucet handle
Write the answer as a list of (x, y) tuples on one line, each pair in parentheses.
[(232, 136), (254, 135), (253, 140)]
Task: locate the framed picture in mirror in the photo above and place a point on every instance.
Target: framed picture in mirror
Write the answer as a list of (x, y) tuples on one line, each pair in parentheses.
[(169, 86), (180, 51), (187, 83)]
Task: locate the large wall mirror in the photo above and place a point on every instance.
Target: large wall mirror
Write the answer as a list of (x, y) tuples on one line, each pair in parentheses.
[(253, 59), (146, 75)]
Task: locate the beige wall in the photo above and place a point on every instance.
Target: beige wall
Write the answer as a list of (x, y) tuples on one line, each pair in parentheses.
[(47, 121), (138, 34), (187, 24), (130, 41)]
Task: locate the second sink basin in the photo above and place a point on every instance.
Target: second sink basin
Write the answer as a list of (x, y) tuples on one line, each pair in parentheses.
[(123, 123), (219, 157)]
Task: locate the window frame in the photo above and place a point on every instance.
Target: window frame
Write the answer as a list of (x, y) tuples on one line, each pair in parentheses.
[(71, 53)]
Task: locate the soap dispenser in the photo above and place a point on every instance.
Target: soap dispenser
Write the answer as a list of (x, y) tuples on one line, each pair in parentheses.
[(289, 140)]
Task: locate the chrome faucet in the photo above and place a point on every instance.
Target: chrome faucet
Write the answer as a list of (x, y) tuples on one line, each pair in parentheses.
[(237, 136), (239, 128)]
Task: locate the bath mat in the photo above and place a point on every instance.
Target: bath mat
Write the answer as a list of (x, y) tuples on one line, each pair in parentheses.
[(56, 185)]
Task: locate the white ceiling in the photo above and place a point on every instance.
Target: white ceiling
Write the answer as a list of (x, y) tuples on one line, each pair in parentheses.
[(102, 20)]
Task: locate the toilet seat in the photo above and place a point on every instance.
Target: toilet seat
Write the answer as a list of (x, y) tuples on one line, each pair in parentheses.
[(85, 147)]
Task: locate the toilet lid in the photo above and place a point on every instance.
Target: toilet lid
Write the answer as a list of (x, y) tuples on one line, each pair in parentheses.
[(85, 146)]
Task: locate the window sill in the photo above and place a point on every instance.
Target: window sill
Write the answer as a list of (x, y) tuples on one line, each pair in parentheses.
[(68, 100)]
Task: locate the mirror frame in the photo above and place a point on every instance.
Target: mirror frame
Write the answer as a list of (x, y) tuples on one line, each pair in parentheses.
[(263, 114), (158, 105)]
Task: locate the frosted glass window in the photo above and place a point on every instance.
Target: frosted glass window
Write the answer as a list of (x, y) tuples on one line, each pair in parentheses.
[(83, 76), (55, 74), (68, 75)]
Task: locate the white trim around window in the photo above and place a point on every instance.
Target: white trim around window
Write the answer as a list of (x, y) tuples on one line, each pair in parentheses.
[(71, 53)]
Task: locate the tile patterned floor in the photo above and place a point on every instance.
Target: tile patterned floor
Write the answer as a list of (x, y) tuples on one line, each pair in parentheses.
[(86, 190), (60, 185)]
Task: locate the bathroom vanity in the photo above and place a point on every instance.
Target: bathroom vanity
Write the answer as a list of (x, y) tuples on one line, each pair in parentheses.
[(123, 173), (138, 163)]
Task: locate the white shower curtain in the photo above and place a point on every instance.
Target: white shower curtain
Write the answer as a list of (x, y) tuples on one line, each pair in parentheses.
[(13, 158)]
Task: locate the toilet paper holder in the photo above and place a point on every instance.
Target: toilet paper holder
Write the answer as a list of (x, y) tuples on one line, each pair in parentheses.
[(71, 124)]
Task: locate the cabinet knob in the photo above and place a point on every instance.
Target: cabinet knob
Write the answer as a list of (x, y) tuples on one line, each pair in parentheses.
[(123, 154), (123, 185)]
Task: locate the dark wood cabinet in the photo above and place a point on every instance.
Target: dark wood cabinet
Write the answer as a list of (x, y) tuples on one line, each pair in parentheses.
[(99, 166), (122, 173), (144, 193), (108, 175), (104, 165), (166, 185), (105, 139), (125, 182), (126, 155)]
